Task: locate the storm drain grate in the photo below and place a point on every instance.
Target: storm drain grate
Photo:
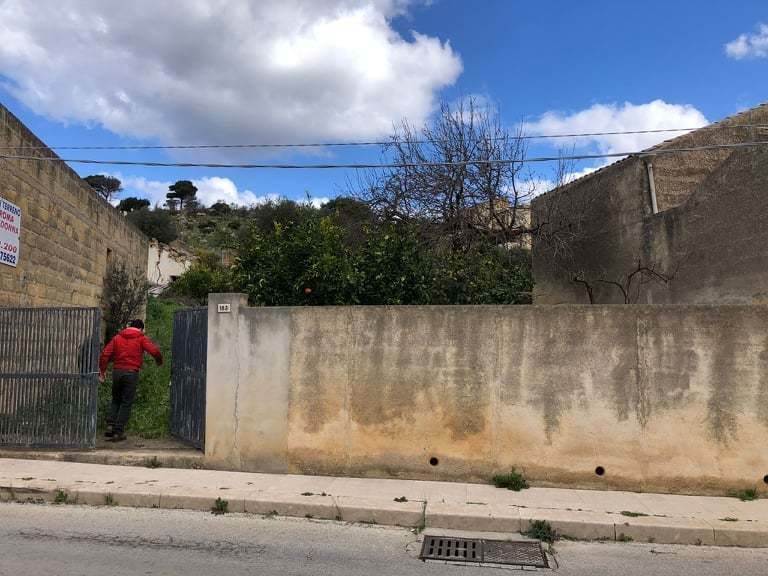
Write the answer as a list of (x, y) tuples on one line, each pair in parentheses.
[(483, 551)]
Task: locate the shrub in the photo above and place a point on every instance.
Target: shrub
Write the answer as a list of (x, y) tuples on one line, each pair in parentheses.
[(512, 481), (541, 530)]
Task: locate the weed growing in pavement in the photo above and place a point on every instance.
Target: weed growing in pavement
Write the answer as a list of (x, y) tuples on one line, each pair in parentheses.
[(632, 514), (541, 530), (729, 519), (512, 481), (623, 538), (61, 497), (746, 495), (153, 462), (401, 499), (220, 506), (109, 500)]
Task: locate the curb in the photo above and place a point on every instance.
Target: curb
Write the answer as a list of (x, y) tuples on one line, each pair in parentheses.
[(191, 460), (576, 525)]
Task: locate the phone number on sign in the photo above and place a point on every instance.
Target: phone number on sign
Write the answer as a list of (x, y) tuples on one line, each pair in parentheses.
[(8, 247), (9, 258)]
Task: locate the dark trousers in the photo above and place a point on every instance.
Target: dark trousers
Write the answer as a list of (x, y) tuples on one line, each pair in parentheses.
[(123, 393)]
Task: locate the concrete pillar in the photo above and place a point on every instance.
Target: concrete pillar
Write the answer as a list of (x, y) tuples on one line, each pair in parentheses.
[(247, 385), (223, 379)]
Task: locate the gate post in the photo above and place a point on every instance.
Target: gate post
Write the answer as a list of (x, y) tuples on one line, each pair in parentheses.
[(222, 379)]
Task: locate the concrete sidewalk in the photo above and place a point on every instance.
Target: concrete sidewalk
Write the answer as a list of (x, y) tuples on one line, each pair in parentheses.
[(579, 514)]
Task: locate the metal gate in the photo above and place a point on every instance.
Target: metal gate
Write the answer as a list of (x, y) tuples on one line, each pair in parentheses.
[(49, 376), (188, 364)]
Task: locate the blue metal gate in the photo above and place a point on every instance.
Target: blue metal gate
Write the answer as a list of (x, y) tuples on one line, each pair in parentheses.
[(188, 365), (49, 376)]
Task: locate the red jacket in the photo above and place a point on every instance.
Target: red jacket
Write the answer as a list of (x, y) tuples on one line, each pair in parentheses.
[(126, 351)]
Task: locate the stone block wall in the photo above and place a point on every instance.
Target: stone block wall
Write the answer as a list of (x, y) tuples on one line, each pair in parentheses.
[(708, 236), (68, 233)]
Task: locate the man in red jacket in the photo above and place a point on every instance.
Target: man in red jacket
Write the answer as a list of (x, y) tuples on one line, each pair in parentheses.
[(126, 352)]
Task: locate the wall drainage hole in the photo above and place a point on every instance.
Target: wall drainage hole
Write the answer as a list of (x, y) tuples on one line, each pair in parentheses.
[(434, 461), (599, 470), (765, 478)]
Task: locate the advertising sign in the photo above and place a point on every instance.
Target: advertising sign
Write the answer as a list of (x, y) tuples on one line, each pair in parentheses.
[(10, 227)]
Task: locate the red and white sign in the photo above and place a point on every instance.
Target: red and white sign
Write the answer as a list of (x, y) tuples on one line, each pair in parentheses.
[(10, 227)]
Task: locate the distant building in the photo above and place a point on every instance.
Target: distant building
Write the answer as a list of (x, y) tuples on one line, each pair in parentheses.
[(693, 225), (504, 216), (57, 248), (166, 263)]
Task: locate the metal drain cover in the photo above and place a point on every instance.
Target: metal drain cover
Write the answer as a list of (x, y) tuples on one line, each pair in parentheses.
[(483, 551)]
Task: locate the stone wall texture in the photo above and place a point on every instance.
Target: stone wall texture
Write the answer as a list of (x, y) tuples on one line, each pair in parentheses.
[(709, 235), (665, 398), (68, 233)]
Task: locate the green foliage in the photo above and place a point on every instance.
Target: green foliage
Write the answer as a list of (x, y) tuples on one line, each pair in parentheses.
[(61, 497), (157, 224), (182, 191), (151, 410), (746, 495), (203, 277), (104, 186), (512, 481), (220, 506), (631, 514), (132, 204), (296, 264), (541, 530)]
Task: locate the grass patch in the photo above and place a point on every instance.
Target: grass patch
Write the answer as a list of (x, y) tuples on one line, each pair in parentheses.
[(151, 410), (624, 538), (220, 506), (512, 481), (61, 497), (401, 499), (632, 514), (746, 495), (541, 530), (729, 519), (109, 500)]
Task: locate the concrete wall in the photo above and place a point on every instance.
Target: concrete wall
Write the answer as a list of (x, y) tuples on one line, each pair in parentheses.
[(671, 398), (67, 231), (709, 233)]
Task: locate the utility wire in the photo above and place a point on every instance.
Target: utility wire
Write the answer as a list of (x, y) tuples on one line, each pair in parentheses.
[(657, 152), (373, 143)]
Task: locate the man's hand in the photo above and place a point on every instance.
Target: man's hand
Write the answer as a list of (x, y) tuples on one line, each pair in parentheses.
[(102, 377)]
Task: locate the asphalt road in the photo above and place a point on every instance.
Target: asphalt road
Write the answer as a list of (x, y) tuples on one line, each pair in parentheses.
[(66, 540)]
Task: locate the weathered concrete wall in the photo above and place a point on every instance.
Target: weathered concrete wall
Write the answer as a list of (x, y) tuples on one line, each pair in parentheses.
[(709, 234), (166, 263), (67, 231), (669, 398)]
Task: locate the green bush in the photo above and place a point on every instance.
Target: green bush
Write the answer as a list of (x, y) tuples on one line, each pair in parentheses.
[(512, 481), (541, 530)]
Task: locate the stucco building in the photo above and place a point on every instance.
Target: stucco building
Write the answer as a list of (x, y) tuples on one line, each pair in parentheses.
[(165, 263), (691, 225), (68, 234)]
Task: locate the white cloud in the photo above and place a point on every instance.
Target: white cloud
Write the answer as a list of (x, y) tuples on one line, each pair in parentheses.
[(654, 115), (210, 189), (223, 71), (749, 45)]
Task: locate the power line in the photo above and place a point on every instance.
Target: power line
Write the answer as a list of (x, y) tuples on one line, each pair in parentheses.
[(374, 142), (658, 152)]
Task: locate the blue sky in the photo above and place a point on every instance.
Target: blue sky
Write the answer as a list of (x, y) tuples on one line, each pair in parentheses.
[(98, 73)]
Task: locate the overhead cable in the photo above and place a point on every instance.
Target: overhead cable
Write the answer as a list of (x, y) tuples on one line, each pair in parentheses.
[(375, 142)]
